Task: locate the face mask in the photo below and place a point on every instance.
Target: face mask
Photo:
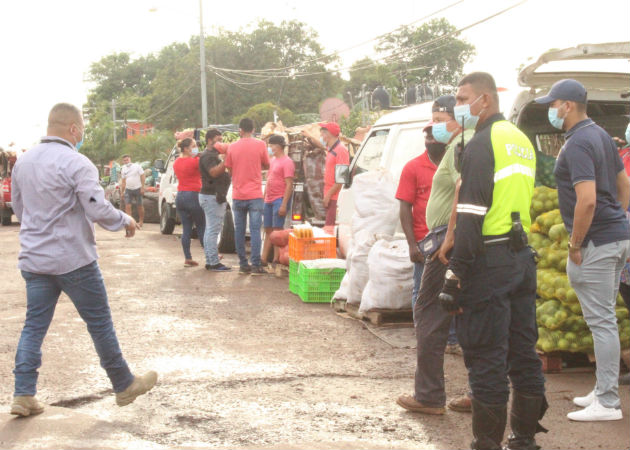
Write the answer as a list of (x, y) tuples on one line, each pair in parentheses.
[(436, 149), (628, 134), (195, 151), (323, 142), (80, 143), (441, 134), (270, 150), (556, 121), (462, 113)]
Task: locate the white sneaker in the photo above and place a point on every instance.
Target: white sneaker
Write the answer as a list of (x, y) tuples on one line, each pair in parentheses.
[(595, 412), (585, 401)]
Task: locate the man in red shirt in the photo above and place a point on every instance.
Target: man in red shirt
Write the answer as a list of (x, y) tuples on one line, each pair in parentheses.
[(245, 161), (336, 153), (413, 192)]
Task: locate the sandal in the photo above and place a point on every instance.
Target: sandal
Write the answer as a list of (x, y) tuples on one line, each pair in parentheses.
[(190, 263)]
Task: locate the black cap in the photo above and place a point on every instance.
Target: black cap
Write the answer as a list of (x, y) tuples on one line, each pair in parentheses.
[(444, 103), (277, 140), (568, 89)]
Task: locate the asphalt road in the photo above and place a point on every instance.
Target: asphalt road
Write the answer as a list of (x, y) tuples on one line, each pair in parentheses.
[(242, 363)]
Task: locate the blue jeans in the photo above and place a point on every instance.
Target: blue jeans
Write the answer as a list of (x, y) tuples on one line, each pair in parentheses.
[(255, 210), (215, 213), (187, 204), (271, 218), (86, 289)]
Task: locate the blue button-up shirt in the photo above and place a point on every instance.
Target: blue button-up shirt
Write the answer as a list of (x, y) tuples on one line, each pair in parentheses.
[(57, 198)]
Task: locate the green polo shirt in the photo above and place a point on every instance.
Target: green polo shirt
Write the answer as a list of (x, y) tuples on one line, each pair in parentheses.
[(443, 187)]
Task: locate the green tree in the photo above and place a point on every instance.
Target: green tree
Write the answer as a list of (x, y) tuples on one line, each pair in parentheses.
[(263, 113), (153, 146), (429, 54)]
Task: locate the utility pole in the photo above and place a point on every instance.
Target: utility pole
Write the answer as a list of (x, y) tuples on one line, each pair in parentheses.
[(202, 63), (114, 119)]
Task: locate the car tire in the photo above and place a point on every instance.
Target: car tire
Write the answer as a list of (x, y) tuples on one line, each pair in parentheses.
[(6, 216), (226, 238), (167, 219)]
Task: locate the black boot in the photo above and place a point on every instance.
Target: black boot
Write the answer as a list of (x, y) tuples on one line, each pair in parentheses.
[(488, 424), (526, 411)]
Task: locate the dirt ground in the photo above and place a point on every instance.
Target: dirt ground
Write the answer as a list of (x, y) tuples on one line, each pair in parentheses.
[(242, 363)]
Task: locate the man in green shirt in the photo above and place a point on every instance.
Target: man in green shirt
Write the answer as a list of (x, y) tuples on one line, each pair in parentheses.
[(432, 323)]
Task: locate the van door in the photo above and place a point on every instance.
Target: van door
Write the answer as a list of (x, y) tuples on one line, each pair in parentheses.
[(408, 143)]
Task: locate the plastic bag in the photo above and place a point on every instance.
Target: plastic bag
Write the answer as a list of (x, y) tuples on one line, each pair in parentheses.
[(358, 274), (390, 277)]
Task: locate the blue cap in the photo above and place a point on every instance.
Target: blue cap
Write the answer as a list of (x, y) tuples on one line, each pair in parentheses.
[(568, 89)]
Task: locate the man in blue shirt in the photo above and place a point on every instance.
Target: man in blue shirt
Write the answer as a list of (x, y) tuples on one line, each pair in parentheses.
[(57, 199), (593, 192)]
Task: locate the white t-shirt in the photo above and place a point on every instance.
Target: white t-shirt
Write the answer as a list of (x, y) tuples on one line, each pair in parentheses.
[(131, 173)]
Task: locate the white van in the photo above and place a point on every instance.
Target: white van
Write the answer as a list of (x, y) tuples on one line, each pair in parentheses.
[(397, 138)]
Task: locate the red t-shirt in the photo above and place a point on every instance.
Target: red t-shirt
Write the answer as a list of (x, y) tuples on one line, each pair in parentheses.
[(415, 187), (337, 155), (624, 153), (279, 169), (246, 157), (187, 173)]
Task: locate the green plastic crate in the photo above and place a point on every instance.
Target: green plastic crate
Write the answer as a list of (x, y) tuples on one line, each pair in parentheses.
[(319, 280), (316, 297), (294, 284)]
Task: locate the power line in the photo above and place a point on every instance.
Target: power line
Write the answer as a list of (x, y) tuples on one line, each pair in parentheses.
[(284, 69)]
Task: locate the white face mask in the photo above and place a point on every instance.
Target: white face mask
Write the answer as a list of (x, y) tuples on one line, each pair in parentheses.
[(195, 151)]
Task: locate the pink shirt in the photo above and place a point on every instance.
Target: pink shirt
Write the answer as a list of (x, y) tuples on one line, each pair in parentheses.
[(338, 155), (280, 169), (246, 158)]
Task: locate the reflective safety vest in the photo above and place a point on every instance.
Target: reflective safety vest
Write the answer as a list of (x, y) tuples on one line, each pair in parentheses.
[(514, 176)]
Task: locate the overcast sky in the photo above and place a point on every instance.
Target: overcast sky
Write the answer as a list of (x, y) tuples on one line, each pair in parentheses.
[(46, 47)]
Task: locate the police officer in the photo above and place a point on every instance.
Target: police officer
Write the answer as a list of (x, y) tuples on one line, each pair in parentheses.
[(491, 281)]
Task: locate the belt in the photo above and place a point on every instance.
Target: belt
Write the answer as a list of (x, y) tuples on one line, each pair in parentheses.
[(496, 240)]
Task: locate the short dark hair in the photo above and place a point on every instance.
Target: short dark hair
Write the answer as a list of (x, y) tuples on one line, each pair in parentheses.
[(277, 140), (482, 82), (125, 156), (211, 134), (247, 125), (184, 143)]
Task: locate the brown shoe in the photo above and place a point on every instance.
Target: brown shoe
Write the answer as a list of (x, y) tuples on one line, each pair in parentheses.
[(141, 385), (26, 405), (190, 263), (411, 404), (461, 404)]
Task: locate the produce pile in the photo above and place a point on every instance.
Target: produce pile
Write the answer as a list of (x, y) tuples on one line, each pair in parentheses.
[(561, 326)]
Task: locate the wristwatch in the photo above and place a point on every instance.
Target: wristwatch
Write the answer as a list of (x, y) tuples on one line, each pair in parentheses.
[(573, 248)]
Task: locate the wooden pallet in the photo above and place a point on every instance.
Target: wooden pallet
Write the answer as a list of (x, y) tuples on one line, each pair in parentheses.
[(555, 362), (377, 317)]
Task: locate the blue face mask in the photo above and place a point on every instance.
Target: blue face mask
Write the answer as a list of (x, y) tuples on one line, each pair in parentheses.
[(628, 134), (556, 121), (270, 150), (441, 134), (323, 142), (195, 151), (462, 114), (80, 143)]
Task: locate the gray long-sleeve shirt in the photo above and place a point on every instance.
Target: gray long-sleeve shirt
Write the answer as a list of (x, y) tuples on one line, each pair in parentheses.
[(57, 198)]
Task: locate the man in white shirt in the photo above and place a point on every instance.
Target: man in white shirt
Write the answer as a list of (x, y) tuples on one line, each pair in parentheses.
[(132, 187)]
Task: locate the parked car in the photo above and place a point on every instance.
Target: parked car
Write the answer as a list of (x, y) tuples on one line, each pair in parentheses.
[(397, 137)]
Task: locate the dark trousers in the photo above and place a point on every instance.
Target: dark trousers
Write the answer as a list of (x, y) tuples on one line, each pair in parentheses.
[(497, 329), (432, 325), (624, 290), (189, 210)]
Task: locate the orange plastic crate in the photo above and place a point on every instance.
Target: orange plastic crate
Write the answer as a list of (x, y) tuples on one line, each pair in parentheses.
[(301, 249)]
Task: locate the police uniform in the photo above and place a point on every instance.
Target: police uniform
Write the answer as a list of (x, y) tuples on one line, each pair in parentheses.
[(497, 329)]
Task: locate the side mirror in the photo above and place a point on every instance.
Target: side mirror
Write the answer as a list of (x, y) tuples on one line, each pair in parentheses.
[(342, 174), (159, 165)]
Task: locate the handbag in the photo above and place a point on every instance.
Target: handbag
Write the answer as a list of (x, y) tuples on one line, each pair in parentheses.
[(432, 241)]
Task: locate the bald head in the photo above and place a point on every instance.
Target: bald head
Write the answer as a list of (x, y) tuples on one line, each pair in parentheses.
[(65, 121)]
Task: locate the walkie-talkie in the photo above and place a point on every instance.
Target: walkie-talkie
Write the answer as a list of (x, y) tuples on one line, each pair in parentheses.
[(459, 151)]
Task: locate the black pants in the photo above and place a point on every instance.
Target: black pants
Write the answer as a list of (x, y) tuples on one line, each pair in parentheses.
[(497, 329), (432, 324), (624, 290)]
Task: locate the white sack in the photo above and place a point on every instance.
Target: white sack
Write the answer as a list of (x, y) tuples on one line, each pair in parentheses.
[(390, 282), (375, 206), (342, 292), (358, 274)]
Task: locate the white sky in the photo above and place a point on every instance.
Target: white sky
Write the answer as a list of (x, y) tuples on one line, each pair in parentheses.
[(46, 47)]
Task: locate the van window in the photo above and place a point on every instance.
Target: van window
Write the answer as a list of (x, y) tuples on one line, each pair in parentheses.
[(372, 152), (409, 144)]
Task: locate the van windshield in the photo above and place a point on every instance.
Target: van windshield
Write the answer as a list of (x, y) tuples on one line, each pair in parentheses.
[(372, 152)]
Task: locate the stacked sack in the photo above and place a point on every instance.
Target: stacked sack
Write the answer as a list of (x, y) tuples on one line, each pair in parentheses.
[(561, 326)]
